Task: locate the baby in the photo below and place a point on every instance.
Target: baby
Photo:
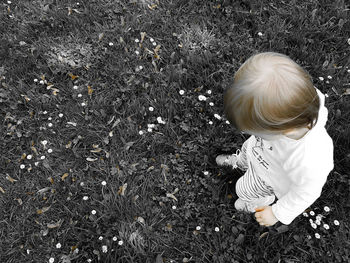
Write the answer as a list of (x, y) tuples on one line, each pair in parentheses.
[(289, 153)]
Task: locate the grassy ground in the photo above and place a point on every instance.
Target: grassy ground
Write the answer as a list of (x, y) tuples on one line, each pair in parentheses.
[(116, 183)]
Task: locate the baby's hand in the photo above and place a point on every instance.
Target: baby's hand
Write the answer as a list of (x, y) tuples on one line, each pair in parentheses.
[(265, 216)]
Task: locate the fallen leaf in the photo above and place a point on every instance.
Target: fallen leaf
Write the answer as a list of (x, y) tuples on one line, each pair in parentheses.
[(122, 189), (171, 196), (347, 92), (54, 225), (100, 36), (10, 179), (263, 234), (90, 90), (41, 191), (64, 176), (2, 190), (143, 34), (43, 210), (91, 159), (73, 77)]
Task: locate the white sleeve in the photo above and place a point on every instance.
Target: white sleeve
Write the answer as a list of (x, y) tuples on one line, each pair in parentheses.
[(306, 187)]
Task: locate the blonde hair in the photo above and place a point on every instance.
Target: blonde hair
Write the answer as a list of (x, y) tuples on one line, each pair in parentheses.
[(272, 93)]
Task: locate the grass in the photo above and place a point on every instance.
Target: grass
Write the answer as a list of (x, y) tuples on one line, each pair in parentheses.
[(152, 189)]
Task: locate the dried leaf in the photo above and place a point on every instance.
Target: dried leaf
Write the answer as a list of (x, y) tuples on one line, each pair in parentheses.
[(263, 234), (41, 191), (89, 159), (2, 190), (96, 151), (128, 145), (10, 179), (347, 92), (90, 90), (73, 77), (54, 225), (23, 156), (34, 150), (64, 176), (19, 200), (171, 196), (100, 36), (143, 34), (43, 210), (122, 189), (69, 145), (50, 179)]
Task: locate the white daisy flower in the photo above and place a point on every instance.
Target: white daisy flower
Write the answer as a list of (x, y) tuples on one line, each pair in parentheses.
[(314, 225), (151, 109), (137, 41), (93, 212), (75, 87), (44, 142), (140, 132), (42, 157), (321, 78), (336, 222), (29, 157), (50, 124), (260, 34), (58, 245), (217, 229), (79, 95), (210, 123), (100, 238), (209, 92), (326, 226), (217, 116), (198, 228), (85, 198), (182, 92), (104, 183), (173, 207), (120, 242), (49, 150), (137, 52), (202, 98), (115, 238), (317, 235), (110, 44), (45, 112), (211, 103), (312, 213), (22, 166), (326, 208), (35, 80), (151, 39), (51, 260), (104, 249)]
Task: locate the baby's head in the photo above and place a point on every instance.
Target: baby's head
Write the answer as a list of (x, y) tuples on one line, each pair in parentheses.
[(271, 94)]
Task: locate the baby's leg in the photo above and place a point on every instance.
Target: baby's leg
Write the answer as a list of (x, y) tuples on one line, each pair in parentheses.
[(250, 187)]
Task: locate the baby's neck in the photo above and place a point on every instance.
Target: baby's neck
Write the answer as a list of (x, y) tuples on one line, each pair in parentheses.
[(296, 134)]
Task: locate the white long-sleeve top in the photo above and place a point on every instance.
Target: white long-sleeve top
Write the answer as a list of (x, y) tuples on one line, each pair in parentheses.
[(296, 169)]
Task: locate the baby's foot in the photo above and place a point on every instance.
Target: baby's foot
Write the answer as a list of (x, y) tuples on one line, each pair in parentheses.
[(227, 159)]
